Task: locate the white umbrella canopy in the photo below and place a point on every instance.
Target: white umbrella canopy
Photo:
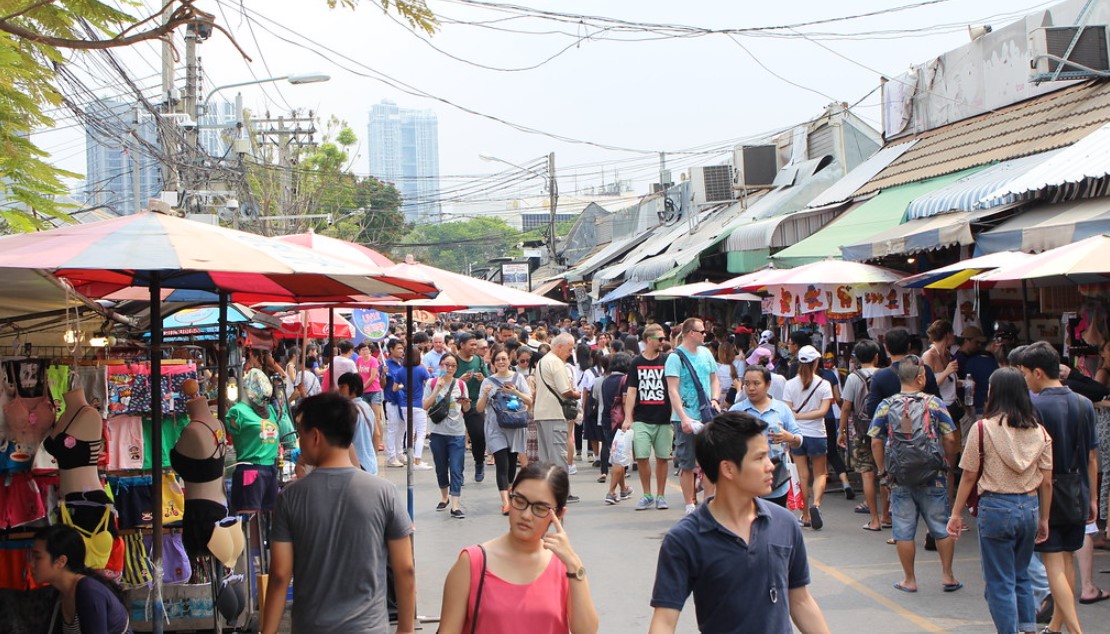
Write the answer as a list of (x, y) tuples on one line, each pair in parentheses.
[(829, 273), (1084, 262)]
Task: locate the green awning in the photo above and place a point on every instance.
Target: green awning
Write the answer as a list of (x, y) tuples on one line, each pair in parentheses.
[(879, 214), (747, 261)]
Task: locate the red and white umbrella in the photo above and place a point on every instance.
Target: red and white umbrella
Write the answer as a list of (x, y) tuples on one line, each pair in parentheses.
[(1084, 262), (335, 247), (314, 323)]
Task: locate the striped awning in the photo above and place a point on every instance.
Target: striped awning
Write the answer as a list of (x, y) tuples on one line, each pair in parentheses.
[(916, 235), (631, 287), (1087, 159), (975, 191), (1047, 227)]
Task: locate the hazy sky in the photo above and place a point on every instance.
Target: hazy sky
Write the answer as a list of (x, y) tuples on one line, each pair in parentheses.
[(646, 92)]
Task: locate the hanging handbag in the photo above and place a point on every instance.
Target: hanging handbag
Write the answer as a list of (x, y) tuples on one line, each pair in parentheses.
[(781, 474), (569, 405), (706, 412), (507, 418), (1069, 503), (973, 496)]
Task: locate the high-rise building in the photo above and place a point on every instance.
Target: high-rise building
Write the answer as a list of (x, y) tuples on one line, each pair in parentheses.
[(109, 151), (404, 150), (216, 127)]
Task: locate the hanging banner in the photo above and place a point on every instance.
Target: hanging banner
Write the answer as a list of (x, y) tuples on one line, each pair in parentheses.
[(785, 302), (369, 324), (812, 298), (517, 275)]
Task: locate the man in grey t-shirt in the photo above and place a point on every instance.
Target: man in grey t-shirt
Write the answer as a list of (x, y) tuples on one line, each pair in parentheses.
[(333, 530)]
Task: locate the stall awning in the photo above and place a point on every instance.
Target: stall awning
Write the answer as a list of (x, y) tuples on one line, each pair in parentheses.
[(631, 287), (881, 213), (548, 286), (599, 259), (749, 246), (1047, 227), (923, 234), (975, 192), (1088, 158), (653, 268)]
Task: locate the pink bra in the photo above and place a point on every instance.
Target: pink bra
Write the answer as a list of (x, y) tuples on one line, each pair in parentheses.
[(29, 419)]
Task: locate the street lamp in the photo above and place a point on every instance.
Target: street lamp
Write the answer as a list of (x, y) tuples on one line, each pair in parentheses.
[(296, 80), (552, 191)]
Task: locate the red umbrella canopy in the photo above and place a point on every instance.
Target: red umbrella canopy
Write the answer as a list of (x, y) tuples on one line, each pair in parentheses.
[(338, 248), (460, 292), (316, 319), (102, 257)]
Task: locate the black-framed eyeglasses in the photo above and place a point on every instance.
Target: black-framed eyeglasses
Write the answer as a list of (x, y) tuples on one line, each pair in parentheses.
[(449, 365), (700, 332), (523, 361), (519, 502)]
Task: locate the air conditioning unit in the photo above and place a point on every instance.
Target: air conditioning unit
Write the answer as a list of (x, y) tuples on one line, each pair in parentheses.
[(711, 184), (1092, 51), (755, 166)]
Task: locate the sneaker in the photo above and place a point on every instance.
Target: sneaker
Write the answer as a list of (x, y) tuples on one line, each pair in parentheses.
[(815, 518), (572, 499), (572, 469), (611, 499), (849, 492), (661, 503), (690, 508), (645, 503), (442, 506), (458, 514), (394, 463), (479, 475), (422, 466), (626, 493), (597, 463)]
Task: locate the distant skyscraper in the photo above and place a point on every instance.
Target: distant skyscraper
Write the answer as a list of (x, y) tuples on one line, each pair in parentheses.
[(109, 149), (404, 150), (215, 126)]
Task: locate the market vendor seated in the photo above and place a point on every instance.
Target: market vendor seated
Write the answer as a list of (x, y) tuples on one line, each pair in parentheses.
[(255, 431)]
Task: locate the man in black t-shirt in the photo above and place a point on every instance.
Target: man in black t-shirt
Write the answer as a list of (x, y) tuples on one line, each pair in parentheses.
[(647, 411)]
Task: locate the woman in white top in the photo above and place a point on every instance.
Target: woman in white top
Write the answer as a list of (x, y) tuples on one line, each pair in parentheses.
[(810, 397), (937, 357), (448, 437)]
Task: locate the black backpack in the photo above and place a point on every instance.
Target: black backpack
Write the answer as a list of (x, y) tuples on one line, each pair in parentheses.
[(914, 456)]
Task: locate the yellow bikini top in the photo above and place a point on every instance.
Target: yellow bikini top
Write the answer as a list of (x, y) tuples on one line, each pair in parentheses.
[(98, 543)]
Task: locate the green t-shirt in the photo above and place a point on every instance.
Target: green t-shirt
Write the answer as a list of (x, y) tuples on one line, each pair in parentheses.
[(171, 432), (255, 439), (474, 365)]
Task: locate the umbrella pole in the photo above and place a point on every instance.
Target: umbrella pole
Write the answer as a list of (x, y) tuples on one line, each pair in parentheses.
[(156, 439), (221, 361), (1025, 312), (410, 429), (331, 346)]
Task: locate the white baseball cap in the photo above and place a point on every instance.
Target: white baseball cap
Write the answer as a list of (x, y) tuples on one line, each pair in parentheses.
[(808, 354)]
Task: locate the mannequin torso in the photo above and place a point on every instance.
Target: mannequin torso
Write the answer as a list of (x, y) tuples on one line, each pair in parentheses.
[(201, 440), (75, 441)]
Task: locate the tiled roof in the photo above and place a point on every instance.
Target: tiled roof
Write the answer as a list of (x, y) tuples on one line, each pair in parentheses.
[(1036, 125)]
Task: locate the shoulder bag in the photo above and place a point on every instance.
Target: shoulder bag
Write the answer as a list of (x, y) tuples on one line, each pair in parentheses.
[(570, 405), (441, 408), (706, 412), (973, 496), (507, 418), (478, 599), (1069, 503)]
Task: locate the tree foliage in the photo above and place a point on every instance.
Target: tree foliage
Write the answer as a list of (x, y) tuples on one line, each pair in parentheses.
[(36, 36), (463, 245), (375, 220)]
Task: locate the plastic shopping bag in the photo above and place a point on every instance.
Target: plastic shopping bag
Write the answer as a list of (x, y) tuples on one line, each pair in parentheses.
[(794, 500), (621, 453)]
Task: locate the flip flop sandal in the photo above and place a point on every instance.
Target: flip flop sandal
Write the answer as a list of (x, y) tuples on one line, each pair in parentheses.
[(952, 587), (867, 527), (891, 541), (863, 509), (903, 588), (1102, 596)]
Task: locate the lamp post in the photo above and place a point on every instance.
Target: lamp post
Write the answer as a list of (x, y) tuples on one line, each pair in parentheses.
[(552, 191), (296, 80)]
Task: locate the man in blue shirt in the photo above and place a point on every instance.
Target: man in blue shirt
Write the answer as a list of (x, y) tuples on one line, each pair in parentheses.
[(782, 430), (742, 557), (682, 387), (885, 383)]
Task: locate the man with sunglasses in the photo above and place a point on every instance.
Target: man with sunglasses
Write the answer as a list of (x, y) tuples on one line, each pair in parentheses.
[(647, 412)]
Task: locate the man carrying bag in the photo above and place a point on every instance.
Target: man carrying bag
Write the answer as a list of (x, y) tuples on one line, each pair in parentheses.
[(691, 373)]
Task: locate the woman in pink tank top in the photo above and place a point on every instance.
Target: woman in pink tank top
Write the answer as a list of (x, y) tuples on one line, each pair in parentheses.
[(527, 580)]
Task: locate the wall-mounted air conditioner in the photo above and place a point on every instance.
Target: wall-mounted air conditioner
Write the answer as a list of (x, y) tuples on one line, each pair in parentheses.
[(755, 166), (1048, 45)]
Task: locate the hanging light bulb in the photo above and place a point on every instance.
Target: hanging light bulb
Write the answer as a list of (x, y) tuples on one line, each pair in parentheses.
[(232, 390)]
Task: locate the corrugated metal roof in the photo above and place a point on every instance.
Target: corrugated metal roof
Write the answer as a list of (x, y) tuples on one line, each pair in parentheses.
[(1089, 158), (1037, 125), (1047, 226), (844, 188), (977, 191), (597, 258)]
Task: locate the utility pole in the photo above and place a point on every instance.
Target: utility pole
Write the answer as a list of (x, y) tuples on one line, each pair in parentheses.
[(553, 193), (290, 142), (165, 131)]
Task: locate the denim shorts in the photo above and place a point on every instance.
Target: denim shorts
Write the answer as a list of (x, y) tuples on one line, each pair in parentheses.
[(812, 447), (373, 397), (684, 457), (909, 503)]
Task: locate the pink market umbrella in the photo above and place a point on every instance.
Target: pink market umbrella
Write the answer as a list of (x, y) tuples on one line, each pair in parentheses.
[(335, 247), (460, 292), (1084, 262), (828, 273), (740, 283), (315, 323)]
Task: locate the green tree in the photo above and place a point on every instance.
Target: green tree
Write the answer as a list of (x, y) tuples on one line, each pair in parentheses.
[(375, 219), (35, 36), (460, 246)]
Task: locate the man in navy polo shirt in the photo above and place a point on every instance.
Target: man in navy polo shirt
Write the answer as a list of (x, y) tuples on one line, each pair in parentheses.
[(741, 556)]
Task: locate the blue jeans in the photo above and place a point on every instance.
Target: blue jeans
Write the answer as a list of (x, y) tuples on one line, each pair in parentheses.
[(930, 503), (1007, 528), (448, 452), (1038, 577)]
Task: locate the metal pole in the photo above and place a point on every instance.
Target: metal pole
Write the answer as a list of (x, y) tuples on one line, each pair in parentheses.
[(553, 194), (156, 440), (331, 346), (222, 361), (1025, 312), (410, 429)]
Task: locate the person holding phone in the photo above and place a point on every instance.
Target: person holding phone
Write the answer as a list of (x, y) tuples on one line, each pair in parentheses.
[(529, 579)]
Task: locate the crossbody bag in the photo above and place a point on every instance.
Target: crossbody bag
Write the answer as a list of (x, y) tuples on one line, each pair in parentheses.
[(706, 412), (569, 405), (1069, 504)]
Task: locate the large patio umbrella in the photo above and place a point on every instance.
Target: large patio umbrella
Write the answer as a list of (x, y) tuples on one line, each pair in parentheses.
[(341, 249), (958, 275), (828, 273), (319, 323), (739, 283), (157, 251), (1084, 262)]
